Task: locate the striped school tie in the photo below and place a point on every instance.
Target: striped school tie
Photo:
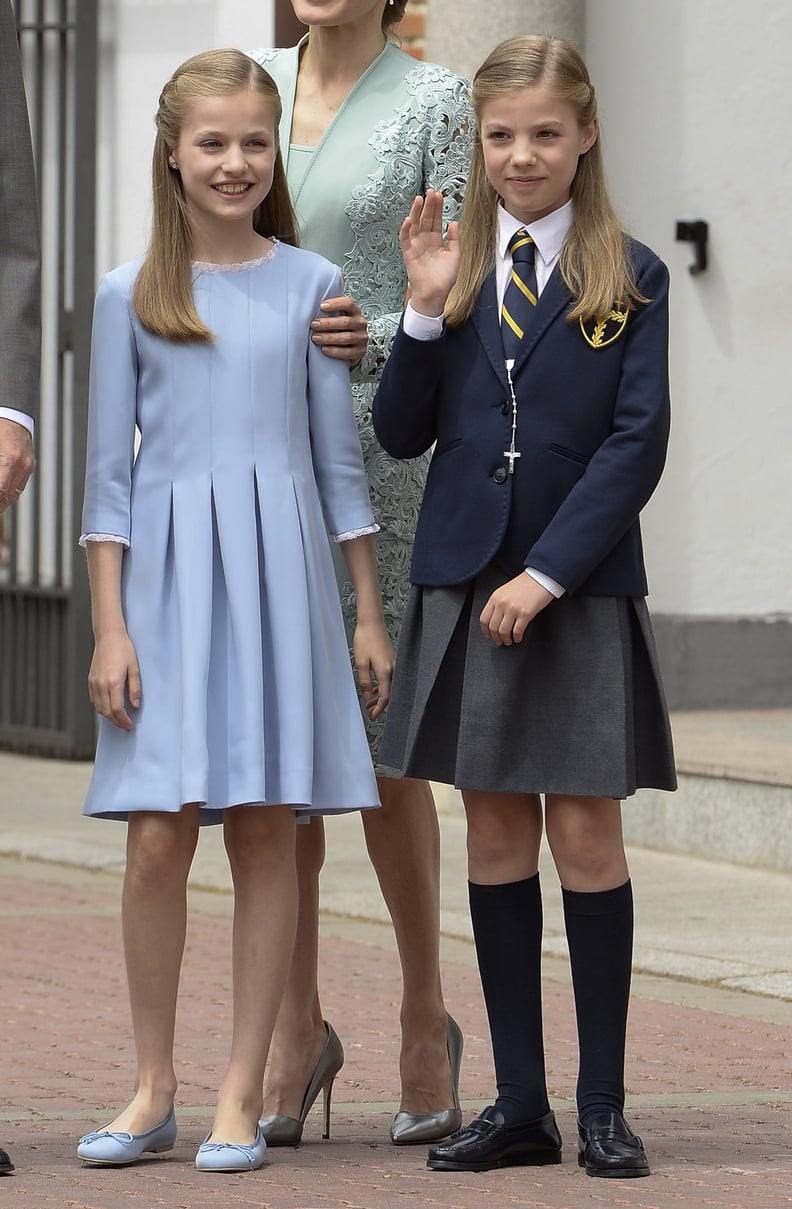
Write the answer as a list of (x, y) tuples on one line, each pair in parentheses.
[(519, 301)]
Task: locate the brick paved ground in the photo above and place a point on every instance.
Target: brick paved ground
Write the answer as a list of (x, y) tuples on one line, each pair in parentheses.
[(709, 1074)]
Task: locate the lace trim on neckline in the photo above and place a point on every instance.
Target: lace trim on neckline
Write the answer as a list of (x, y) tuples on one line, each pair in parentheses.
[(208, 266)]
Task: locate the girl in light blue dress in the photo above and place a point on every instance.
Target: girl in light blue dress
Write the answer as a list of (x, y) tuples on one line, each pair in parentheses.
[(220, 668)]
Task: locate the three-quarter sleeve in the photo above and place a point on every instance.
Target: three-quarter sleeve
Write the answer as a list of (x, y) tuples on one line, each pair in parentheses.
[(111, 416), (338, 462)]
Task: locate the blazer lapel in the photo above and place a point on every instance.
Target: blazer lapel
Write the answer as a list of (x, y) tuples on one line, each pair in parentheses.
[(486, 320), (554, 299)]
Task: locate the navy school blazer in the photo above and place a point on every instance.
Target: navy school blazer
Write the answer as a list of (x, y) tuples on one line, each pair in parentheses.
[(592, 431)]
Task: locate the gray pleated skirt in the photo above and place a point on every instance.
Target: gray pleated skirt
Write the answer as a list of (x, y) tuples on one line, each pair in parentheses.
[(576, 708)]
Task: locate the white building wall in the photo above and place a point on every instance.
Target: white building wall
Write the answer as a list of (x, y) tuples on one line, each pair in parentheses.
[(694, 101), (695, 107), (461, 35), (142, 42)]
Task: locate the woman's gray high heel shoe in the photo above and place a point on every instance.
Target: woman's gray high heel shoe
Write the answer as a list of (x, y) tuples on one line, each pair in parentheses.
[(280, 1130), (409, 1128)]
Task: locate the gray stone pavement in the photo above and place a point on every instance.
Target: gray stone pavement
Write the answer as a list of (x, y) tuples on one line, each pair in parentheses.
[(708, 1073), (709, 922)]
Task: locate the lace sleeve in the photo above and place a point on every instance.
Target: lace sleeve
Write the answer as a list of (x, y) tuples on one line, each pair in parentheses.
[(381, 334), (447, 154), (445, 144)]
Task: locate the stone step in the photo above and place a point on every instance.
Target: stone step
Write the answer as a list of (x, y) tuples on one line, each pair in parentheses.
[(738, 745), (734, 801)]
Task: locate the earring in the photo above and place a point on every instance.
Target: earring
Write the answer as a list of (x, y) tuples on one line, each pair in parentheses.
[(172, 163)]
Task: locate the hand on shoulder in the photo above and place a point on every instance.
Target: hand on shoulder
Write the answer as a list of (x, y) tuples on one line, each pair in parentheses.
[(343, 331)]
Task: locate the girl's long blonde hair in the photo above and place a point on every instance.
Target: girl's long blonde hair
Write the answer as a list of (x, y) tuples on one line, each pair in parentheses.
[(593, 262), (163, 292)]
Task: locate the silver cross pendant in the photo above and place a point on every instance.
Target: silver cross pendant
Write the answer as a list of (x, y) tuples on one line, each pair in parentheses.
[(512, 455)]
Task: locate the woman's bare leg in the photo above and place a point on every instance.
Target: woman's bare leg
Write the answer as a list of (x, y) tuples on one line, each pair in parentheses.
[(300, 1035), (403, 840)]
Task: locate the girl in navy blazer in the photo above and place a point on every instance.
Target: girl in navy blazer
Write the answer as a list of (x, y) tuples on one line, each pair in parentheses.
[(527, 674)]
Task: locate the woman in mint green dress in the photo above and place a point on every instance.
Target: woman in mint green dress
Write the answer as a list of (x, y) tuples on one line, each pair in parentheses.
[(365, 128)]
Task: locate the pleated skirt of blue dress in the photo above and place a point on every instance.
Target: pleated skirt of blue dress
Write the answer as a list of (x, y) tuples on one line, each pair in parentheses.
[(247, 691)]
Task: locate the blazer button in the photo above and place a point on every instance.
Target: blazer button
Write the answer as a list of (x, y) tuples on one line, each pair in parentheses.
[(504, 408), (500, 475)]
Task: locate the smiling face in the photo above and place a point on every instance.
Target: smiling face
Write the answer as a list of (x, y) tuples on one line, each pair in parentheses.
[(226, 156), (339, 12), (532, 142)]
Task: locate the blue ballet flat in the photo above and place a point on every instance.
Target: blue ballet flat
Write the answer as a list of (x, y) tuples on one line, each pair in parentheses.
[(118, 1149), (231, 1156)]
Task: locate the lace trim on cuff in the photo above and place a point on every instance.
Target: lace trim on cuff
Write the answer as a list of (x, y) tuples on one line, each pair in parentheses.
[(353, 533), (102, 537)]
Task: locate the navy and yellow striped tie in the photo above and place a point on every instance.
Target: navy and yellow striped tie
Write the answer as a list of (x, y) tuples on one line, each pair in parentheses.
[(519, 301)]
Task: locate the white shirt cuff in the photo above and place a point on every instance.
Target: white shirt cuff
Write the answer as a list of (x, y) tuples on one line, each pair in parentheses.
[(19, 417), (422, 327), (545, 581)]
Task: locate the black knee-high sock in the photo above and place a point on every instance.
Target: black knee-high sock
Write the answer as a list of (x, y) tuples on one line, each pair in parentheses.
[(599, 930), (507, 927)]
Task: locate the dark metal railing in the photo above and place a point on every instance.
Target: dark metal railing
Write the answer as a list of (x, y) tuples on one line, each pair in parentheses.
[(44, 604)]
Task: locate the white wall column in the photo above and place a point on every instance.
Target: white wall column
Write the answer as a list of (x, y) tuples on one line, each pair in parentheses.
[(461, 35)]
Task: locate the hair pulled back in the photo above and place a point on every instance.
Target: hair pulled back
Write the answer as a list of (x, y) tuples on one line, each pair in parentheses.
[(392, 13), (593, 261), (163, 293)]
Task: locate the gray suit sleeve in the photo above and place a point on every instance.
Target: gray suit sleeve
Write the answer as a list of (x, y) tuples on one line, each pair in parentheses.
[(20, 268)]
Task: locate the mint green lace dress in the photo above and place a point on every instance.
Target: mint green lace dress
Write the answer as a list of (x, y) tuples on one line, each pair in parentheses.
[(405, 127)]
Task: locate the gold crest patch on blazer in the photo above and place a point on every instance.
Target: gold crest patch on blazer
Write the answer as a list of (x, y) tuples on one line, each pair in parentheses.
[(602, 332)]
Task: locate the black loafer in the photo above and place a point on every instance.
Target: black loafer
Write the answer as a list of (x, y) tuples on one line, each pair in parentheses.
[(488, 1142), (6, 1166), (607, 1146)]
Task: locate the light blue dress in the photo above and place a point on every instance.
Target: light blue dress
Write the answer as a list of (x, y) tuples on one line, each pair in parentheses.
[(248, 455)]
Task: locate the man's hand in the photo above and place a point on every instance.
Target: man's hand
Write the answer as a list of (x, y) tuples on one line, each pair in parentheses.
[(16, 461)]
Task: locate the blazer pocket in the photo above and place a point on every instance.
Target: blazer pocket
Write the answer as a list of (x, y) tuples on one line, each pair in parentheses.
[(571, 455), (446, 447)]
